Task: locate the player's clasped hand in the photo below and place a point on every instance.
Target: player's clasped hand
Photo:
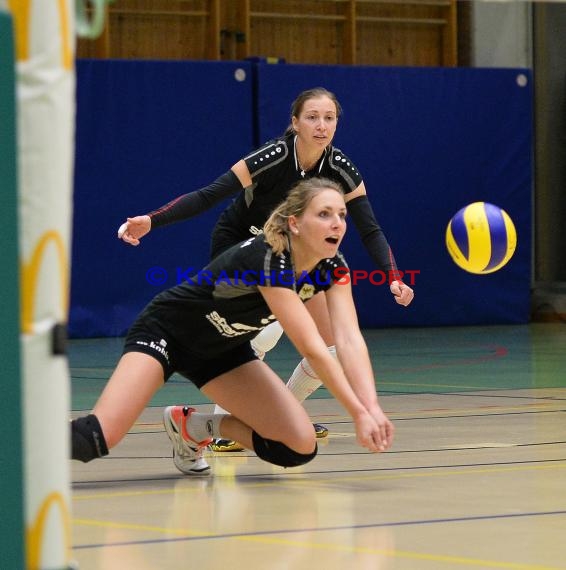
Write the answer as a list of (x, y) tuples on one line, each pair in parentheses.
[(386, 428), (374, 431), (133, 229), (403, 293)]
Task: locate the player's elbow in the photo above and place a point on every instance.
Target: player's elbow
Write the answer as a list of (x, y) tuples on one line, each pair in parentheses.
[(313, 352)]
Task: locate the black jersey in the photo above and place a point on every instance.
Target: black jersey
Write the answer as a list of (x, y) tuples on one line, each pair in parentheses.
[(221, 307), (274, 170)]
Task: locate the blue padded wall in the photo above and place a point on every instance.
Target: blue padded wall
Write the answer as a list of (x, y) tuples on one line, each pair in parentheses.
[(428, 141), (147, 132)]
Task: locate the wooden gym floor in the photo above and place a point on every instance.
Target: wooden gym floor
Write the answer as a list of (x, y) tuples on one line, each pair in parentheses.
[(476, 477)]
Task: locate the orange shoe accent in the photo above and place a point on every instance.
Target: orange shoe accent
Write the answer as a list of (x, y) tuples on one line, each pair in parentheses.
[(186, 412)]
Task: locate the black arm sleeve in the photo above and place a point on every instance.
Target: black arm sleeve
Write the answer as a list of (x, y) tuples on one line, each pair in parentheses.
[(371, 233), (194, 203)]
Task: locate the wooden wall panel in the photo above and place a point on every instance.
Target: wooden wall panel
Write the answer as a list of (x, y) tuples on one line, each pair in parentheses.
[(299, 41), (367, 32), (307, 31), (155, 29), (405, 33), (388, 45)]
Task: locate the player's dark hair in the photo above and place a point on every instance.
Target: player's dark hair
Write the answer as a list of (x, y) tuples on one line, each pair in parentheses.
[(276, 228), (302, 98)]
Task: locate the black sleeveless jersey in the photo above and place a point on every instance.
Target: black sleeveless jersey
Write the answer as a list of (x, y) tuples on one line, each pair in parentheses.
[(274, 171), (221, 307)]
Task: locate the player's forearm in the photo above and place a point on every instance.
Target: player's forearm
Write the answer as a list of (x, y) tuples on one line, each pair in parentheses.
[(356, 363), (371, 234), (332, 376), (194, 203)]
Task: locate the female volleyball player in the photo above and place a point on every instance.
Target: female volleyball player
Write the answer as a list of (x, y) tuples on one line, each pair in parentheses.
[(261, 180), (202, 329)]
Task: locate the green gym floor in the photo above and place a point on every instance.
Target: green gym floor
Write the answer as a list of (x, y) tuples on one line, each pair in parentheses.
[(475, 478)]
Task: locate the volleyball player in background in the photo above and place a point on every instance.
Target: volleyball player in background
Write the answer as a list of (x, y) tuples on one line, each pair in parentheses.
[(259, 182), (202, 329)]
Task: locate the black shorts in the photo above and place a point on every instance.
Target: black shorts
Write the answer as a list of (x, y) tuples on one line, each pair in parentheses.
[(148, 340)]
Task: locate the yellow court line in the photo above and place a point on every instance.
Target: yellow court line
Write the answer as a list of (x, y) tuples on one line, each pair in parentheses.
[(487, 408), (439, 472), (272, 540), (127, 494), (456, 386), (401, 554), (182, 532), (484, 408)]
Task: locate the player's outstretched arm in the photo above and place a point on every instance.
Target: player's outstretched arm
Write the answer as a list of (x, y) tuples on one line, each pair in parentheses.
[(375, 242), (353, 354), (303, 333), (186, 206)]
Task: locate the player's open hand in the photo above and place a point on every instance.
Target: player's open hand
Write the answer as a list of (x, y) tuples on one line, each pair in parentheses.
[(403, 293), (133, 229)]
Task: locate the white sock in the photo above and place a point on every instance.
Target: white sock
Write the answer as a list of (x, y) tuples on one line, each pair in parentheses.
[(303, 382), (204, 426), (267, 339)]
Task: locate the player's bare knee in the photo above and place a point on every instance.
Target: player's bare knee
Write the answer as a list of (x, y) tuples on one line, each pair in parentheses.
[(299, 438), (307, 442), (112, 440)]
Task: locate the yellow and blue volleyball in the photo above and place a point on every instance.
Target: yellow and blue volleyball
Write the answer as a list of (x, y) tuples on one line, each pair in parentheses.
[(481, 238)]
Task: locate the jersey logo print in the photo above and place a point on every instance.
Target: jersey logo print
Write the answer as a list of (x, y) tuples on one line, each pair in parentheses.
[(230, 330), (306, 292)]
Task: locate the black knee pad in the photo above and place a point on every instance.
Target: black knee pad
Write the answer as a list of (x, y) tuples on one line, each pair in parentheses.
[(87, 439), (279, 454)]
